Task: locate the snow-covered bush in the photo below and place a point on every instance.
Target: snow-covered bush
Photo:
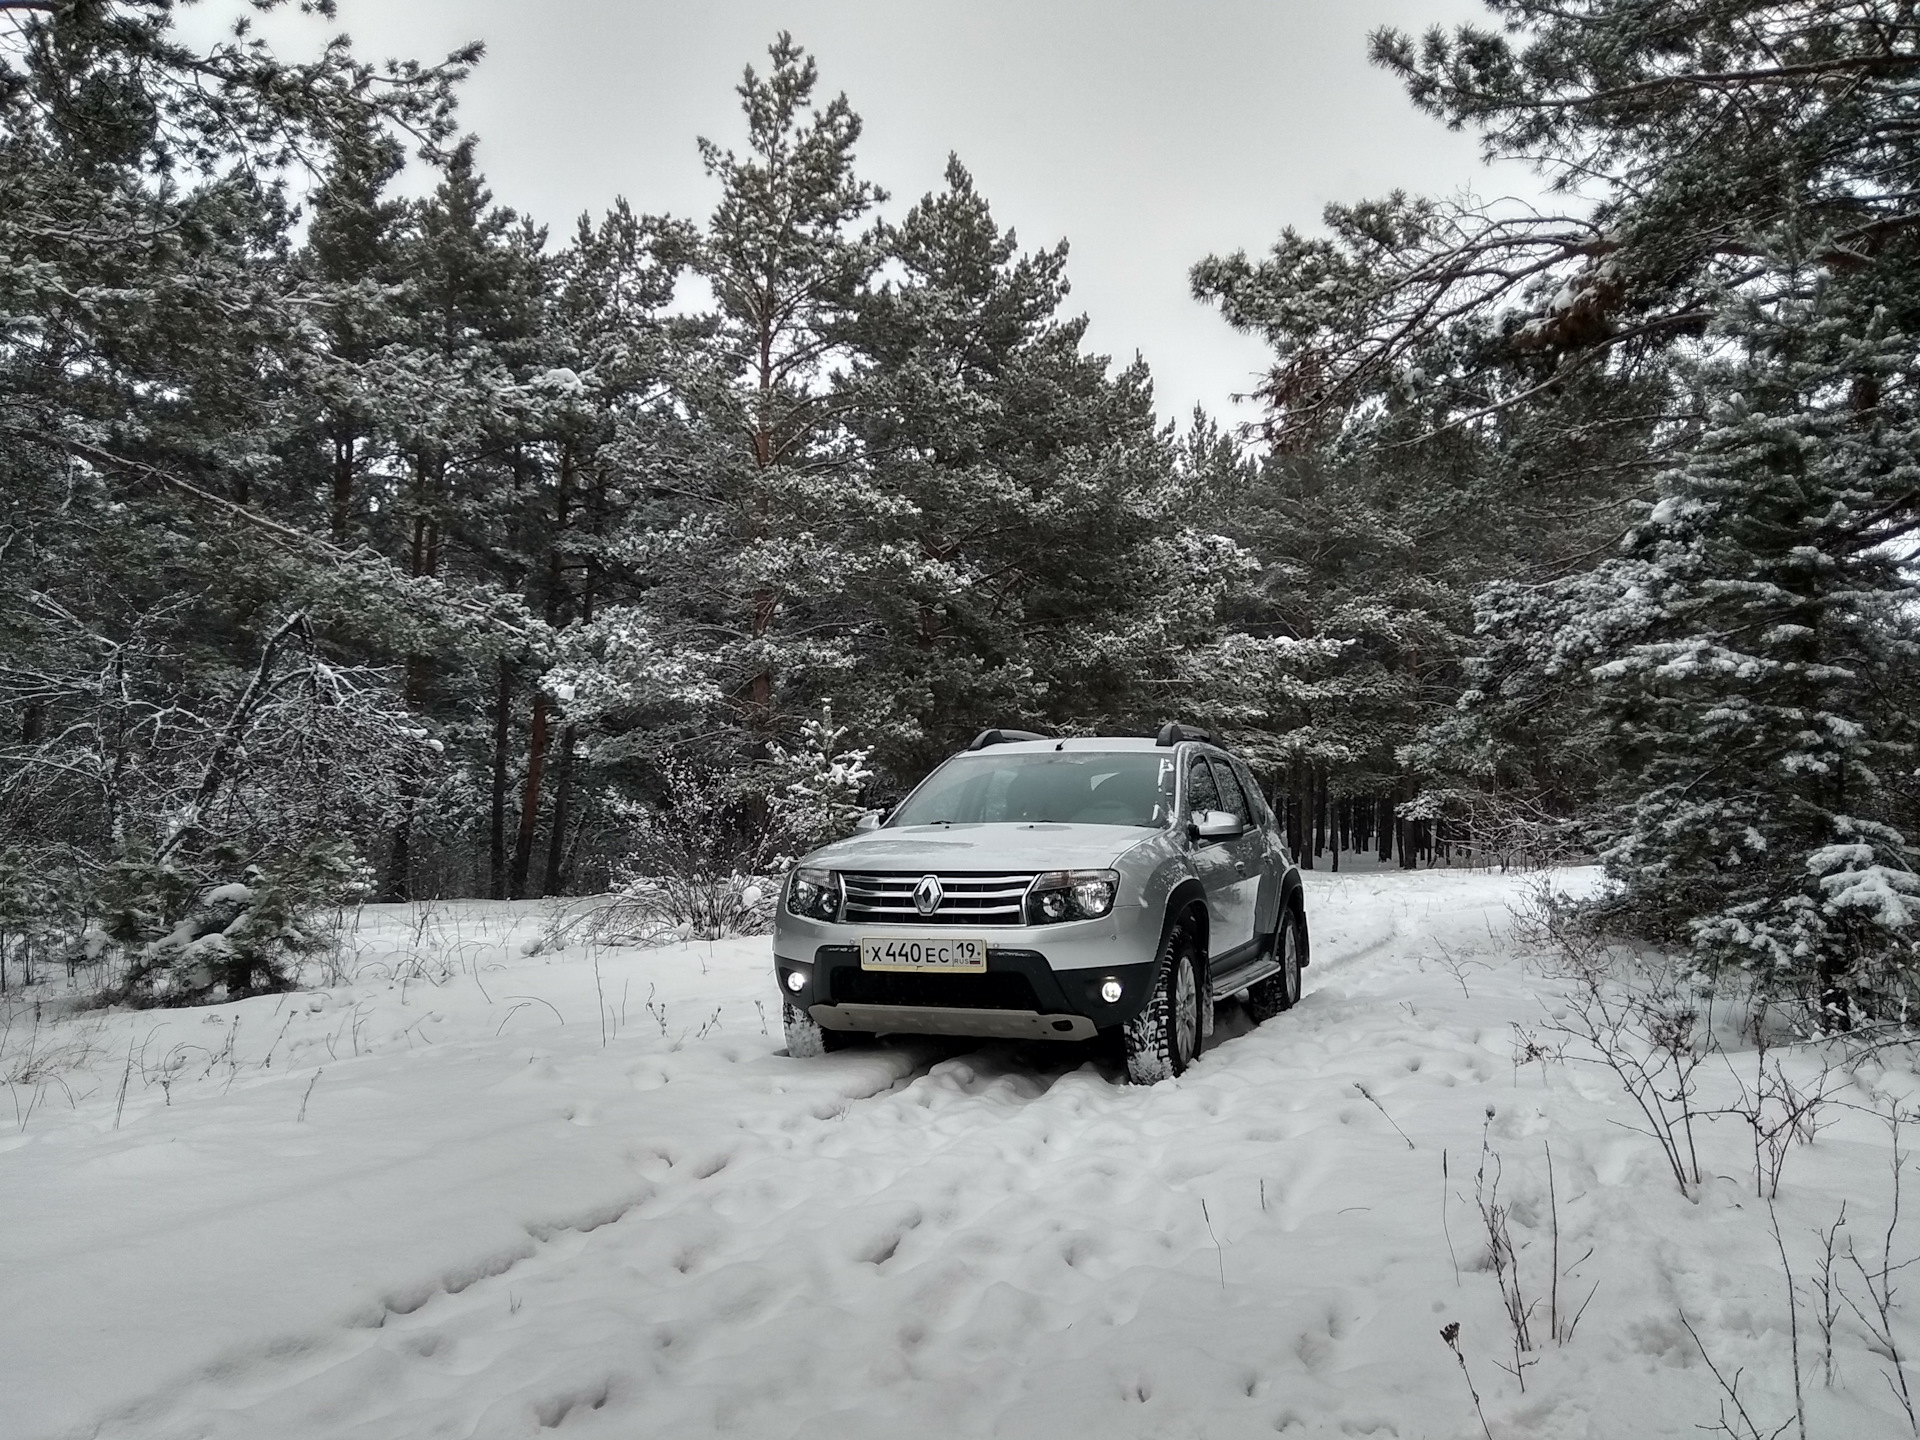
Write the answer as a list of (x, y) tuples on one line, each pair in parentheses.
[(815, 795), (35, 912), (705, 858), (185, 943), (1511, 830), (700, 862), (181, 832)]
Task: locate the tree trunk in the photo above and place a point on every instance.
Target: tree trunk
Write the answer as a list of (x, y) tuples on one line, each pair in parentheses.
[(1297, 812), (423, 560), (400, 858), (502, 734), (530, 798), (1836, 1000), (1319, 783), (562, 806), (341, 510), (557, 596), (760, 687)]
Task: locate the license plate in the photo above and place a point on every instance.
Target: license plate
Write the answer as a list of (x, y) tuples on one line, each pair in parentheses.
[(923, 952)]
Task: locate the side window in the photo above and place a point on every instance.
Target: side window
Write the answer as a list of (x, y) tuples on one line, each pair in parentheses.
[(1202, 793), (1231, 796), (1255, 800)]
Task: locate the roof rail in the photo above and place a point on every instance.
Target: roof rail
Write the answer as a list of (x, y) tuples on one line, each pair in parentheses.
[(1173, 732), (1001, 737)]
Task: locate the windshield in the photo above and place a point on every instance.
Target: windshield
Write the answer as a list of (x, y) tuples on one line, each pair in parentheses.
[(1057, 788)]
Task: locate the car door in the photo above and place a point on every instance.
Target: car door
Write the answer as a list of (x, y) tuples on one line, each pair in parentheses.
[(1239, 918), (1212, 861), (1272, 853)]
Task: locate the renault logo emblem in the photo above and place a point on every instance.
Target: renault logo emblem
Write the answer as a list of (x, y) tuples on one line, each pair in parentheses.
[(927, 895)]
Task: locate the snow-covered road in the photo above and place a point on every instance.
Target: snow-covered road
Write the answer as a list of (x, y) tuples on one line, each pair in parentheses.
[(450, 1201)]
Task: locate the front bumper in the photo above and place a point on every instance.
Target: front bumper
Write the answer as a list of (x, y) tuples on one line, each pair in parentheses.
[(1024, 994)]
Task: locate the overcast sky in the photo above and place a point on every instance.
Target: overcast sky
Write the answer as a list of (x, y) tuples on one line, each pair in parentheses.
[(1147, 133)]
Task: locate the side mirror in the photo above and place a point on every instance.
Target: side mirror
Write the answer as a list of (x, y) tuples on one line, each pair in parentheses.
[(869, 821), (1217, 825)]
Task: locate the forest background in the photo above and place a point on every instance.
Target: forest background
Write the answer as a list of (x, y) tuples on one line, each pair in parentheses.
[(359, 545)]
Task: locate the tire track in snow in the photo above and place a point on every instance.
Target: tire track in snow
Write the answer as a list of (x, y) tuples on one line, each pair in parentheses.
[(553, 1244), (947, 1101), (922, 1233), (939, 1106)]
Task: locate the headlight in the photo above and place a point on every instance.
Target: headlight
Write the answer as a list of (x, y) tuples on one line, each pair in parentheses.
[(814, 894), (1071, 895)]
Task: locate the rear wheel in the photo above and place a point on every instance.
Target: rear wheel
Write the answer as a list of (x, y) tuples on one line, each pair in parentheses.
[(1281, 990), (1165, 1037), (807, 1037)]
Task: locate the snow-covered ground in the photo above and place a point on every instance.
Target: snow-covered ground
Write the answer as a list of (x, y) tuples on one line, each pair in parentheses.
[(482, 1193)]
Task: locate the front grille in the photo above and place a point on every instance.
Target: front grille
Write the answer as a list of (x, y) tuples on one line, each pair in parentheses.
[(995, 990), (966, 899)]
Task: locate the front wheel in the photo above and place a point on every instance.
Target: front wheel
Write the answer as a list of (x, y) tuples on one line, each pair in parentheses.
[(807, 1037), (1281, 990), (1164, 1038)]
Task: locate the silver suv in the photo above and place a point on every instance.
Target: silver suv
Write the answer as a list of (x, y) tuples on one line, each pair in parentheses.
[(1045, 889)]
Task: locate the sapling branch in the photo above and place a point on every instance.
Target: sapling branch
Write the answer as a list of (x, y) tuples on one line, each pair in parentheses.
[(1793, 1318), (1450, 1333), (1730, 1392), (1383, 1110)]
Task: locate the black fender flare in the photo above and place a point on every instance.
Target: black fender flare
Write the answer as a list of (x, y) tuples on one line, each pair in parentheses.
[(1293, 895), (1189, 895)]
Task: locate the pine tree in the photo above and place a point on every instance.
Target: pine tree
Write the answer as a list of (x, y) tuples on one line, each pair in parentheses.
[(1022, 493), (173, 710), (733, 544), (352, 257), (599, 396), (1743, 296), (786, 261), (450, 388), (1748, 649)]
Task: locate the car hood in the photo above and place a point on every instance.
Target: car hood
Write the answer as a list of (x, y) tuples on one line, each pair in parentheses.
[(983, 847)]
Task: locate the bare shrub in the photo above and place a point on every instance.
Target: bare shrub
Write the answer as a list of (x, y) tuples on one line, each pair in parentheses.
[(1877, 1298), (1520, 1304), (1505, 829), (701, 866), (1778, 1112), (707, 854), (196, 831), (41, 1045), (1737, 1422), (1638, 1016), (1504, 1260)]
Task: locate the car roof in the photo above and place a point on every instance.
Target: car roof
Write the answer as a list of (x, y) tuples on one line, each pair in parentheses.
[(1095, 744)]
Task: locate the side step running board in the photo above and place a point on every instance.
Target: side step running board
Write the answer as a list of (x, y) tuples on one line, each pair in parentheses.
[(1241, 976)]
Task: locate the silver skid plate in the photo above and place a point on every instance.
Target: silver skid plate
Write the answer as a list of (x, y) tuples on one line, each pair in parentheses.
[(944, 1020)]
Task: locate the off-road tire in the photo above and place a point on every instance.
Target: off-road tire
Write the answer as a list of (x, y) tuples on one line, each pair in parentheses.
[(1166, 1036), (1280, 991), (807, 1037)]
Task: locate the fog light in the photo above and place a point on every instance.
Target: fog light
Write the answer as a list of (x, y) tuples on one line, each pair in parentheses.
[(796, 982), (1110, 992)]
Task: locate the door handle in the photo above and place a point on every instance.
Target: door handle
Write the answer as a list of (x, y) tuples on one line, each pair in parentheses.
[(1241, 866)]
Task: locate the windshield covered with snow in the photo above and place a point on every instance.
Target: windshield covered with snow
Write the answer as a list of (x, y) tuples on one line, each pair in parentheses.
[(1057, 788)]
